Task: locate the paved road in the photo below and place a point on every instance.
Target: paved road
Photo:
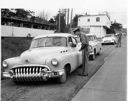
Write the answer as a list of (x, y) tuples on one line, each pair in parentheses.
[(109, 83), (51, 91)]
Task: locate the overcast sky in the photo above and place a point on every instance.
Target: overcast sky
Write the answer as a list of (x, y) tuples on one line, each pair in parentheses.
[(116, 8)]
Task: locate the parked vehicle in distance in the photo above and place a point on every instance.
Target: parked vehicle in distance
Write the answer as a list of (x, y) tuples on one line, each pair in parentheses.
[(109, 39), (49, 56), (95, 46)]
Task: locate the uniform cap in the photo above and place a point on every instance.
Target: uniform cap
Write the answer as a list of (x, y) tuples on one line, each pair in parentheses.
[(76, 29)]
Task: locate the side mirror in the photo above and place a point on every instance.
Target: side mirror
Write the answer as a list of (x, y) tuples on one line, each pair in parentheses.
[(72, 44)]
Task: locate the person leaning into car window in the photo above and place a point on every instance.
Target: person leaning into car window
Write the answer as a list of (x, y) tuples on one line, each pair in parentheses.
[(84, 49)]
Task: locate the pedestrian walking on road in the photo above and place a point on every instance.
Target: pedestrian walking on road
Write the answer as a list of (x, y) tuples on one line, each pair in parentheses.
[(84, 49), (119, 36)]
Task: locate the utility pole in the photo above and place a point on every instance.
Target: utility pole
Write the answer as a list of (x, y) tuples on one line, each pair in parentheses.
[(59, 20), (71, 19), (64, 11), (68, 17), (12, 27)]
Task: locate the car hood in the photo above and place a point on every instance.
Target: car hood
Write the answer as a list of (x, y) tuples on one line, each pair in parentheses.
[(109, 38), (92, 43), (38, 55)]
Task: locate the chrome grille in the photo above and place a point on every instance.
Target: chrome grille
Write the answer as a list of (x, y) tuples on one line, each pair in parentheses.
[(27, 70), (28, 73)]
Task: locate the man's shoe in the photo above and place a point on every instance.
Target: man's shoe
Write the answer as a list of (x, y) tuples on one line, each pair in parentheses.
[(85, 74)]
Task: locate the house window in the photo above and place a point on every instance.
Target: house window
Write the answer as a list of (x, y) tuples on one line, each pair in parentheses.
[(88, 20), (97, 19)]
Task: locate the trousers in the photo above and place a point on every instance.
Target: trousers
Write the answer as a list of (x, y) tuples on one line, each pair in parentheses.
[(84, 61), (118, 43)]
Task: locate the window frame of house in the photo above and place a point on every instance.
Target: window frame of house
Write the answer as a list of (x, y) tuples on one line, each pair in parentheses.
[(88, 20), (97, 19)]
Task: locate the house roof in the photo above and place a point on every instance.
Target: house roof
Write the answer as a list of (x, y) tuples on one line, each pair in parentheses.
[(87, 15)]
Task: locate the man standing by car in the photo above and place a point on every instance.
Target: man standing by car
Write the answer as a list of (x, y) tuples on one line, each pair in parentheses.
[(119, 40), (84, 49)]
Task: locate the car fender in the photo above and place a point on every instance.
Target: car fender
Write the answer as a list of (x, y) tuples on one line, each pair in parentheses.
[(12, 62), (63, 59)]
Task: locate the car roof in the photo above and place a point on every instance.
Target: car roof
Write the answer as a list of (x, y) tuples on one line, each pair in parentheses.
[(55, 35), (110, 35), (90, 35)]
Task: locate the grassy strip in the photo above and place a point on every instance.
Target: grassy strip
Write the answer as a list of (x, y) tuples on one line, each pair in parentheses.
[(14, 46)]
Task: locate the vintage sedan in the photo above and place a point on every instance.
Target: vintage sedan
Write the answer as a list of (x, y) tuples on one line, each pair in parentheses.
[(95, 46), (109, 39), (49, 56)]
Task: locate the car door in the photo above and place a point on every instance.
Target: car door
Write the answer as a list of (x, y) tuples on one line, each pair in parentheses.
[(74, 53), (78, 48)]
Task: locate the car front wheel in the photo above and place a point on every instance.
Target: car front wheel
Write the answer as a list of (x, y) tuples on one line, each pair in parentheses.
[(92, 57), (100, 51), (63, 78)]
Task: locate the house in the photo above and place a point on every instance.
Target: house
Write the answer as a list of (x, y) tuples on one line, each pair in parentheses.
[(97, 24)]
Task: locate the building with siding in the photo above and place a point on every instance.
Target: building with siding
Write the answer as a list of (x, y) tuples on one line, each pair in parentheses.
[(97, 24)]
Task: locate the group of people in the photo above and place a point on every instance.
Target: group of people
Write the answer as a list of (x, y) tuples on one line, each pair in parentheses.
[(84, 48)]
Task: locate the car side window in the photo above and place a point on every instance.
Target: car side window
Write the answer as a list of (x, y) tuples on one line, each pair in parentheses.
[(69, 39), (74, 40)]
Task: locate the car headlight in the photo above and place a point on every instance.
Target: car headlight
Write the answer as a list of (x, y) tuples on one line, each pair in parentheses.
[(54, 62), (11, 73), (5, 64)]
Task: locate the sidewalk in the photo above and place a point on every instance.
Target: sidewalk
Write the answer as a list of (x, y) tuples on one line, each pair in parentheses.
[(109, 83)]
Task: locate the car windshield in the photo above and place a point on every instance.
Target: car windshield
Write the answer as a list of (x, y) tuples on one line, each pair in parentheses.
[(90, 38), (109, 36), (49, 42)]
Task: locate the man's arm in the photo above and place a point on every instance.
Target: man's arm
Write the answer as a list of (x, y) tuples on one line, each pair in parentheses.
[(84, 42)]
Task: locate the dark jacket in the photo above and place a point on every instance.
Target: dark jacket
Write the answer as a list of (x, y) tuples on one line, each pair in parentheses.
[(120, 36), (84, 41)]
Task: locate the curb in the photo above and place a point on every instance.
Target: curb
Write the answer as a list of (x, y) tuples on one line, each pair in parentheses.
[(91, 73)]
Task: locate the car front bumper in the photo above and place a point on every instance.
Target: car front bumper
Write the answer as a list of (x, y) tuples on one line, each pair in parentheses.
[(43, 76)]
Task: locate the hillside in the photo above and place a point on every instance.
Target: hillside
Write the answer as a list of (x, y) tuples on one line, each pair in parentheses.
[(14, 46)]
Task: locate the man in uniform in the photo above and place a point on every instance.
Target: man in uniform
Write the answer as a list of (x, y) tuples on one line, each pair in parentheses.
[(84, 49), (119, 39)]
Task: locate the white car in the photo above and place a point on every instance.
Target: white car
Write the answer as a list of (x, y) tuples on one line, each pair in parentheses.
[(109, 39), (49, 56), (95, 46)]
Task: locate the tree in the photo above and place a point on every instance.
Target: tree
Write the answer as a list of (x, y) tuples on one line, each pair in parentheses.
[(33, 18), (7, 12), (23, 13), (115, 27), (62, 22), (17, 13), (75, 21), (51, 21)]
